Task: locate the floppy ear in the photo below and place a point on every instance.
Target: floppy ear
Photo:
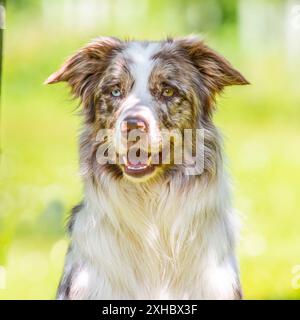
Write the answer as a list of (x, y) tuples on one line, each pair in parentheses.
[(83, 69), (215, 71)]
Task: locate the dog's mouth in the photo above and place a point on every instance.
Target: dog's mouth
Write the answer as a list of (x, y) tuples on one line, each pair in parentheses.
[(137, 163)]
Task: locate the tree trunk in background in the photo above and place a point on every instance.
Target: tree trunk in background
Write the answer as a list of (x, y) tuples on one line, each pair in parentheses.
[(2, 25)]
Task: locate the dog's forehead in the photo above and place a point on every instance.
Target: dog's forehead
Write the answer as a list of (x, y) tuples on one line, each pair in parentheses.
[(139, 57), (141, 53)]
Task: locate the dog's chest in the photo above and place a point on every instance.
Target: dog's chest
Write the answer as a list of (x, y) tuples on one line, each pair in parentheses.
[(148, 243)]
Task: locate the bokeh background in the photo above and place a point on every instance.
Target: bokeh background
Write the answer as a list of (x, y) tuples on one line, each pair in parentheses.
[(39, 182)]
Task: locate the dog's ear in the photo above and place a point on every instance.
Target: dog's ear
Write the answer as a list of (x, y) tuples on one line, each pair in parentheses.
[(86, 65), (215, 71)]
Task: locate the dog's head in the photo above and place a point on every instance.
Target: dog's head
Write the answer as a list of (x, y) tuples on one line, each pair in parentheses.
[(132, 92)]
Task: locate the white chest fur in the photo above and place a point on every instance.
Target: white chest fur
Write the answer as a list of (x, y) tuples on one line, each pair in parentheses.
[(174, 241)]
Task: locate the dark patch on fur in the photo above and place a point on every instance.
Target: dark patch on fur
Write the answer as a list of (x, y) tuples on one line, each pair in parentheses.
[(238, 294), (72, 217), (64, 287)]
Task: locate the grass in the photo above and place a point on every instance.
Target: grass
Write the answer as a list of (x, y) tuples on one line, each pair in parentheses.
[(39, 181)]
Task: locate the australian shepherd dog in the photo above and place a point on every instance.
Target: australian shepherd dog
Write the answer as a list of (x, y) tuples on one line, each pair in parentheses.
[(156, 220)]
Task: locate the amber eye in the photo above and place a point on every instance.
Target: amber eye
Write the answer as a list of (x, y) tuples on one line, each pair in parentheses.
[(116, 92), (168, 92)]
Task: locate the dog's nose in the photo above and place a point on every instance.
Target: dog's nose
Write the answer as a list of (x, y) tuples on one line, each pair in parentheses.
[(134, 123)]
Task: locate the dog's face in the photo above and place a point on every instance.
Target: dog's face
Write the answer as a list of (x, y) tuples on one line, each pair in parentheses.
[(136, 91)]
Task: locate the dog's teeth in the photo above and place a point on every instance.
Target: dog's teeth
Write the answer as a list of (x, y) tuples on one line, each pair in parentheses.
[(136, 168), (125, 160)]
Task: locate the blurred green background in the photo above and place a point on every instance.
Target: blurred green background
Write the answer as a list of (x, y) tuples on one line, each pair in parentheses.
[(39, 182)]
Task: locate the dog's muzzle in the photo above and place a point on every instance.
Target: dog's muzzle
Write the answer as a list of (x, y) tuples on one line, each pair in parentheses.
[(137, 138)]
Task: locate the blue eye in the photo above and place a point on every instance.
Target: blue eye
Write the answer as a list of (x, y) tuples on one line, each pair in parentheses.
[(116, 92)]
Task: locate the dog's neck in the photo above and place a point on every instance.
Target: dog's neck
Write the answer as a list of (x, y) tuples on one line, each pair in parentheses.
[(125, 203)]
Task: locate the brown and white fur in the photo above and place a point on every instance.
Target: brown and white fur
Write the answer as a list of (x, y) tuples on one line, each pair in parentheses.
[(158, 235)]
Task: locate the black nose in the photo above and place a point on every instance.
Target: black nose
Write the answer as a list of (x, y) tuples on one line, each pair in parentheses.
[(134, 123)]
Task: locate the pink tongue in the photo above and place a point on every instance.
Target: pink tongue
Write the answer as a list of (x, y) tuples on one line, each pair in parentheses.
[(136, 164)]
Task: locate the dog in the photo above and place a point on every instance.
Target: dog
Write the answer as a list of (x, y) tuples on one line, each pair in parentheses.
[(150, 229)]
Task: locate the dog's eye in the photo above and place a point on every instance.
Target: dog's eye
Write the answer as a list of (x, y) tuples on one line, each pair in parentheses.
[(116, 92), (168, 92)]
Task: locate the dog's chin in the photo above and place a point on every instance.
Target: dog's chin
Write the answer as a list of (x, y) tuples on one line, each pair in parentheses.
[(139, 172)]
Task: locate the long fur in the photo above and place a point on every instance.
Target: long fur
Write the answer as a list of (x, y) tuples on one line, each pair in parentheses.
[(168, 237)]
